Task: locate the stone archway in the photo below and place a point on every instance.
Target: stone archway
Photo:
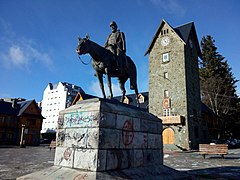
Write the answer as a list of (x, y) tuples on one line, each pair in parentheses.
[(168, 136)]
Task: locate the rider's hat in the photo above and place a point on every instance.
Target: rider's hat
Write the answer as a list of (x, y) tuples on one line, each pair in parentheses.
[(113, 23)]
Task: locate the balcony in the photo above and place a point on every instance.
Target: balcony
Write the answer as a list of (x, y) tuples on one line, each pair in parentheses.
[(172, 119)]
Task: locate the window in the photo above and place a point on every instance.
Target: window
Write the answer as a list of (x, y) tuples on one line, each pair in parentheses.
[(166, 112), (165, 75), (166, 94), (141, 98), (165, 31), (165, 57)]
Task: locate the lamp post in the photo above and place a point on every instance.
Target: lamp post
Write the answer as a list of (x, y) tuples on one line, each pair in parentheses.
[(22, 141)]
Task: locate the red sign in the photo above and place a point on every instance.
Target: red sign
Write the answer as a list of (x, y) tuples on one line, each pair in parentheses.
[(166, 103)]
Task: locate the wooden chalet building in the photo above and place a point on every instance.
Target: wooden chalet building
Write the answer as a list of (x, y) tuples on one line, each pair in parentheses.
[(17, 116)]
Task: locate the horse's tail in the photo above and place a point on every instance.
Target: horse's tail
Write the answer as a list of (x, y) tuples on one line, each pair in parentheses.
[(132, 74)]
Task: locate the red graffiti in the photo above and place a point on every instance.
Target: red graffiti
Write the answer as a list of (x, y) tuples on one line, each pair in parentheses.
[(127, 133), (67, 153), (80, 177)]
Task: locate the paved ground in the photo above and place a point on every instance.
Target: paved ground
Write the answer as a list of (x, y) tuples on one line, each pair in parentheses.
[(15, 162), (213, 167)]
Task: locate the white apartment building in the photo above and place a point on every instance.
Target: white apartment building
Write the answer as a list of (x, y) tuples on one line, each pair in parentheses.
[(56, 97)]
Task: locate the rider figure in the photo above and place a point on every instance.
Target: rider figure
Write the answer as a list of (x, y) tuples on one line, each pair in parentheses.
[(116, 44)]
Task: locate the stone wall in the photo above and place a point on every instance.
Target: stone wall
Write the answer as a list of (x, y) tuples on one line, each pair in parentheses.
[(198, 131), (182, 84), (175, 83), (101, 135)]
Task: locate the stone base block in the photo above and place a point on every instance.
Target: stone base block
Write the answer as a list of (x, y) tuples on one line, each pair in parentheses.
[(104, 135), (142, 173)]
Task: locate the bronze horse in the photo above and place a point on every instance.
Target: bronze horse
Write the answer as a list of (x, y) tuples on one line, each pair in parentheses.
[(105, 62)]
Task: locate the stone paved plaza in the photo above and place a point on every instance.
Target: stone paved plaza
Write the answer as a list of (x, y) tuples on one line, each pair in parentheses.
[(212, 167), (17, 161)]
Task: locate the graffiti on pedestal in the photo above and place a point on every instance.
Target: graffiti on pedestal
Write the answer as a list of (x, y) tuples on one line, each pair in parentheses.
[(127, 133), (67, 154), (80, 119)]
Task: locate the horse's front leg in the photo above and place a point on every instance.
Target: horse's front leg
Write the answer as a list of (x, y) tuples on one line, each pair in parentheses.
[(109, 83), (100, 80)]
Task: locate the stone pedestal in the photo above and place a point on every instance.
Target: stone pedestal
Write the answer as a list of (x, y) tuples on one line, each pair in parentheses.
[(99, 135), (103, 139)]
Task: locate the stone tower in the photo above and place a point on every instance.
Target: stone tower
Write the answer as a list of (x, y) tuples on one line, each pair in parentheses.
[(174, 87)]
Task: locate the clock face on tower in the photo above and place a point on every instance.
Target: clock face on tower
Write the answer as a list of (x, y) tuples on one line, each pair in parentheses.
[(165, 41)]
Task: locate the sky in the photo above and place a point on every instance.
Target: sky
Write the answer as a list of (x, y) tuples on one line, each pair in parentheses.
[(38, 38)]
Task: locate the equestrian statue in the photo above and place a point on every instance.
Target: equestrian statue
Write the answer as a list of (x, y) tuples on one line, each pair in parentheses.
[(104, 61)]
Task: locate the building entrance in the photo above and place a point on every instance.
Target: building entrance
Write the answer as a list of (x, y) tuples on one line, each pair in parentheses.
[(168, 136)]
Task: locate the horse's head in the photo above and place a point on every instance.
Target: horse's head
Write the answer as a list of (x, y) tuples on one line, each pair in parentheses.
[(82, 47)]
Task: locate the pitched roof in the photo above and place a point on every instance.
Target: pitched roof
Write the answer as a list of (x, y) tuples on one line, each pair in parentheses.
[(82, 96), (7, 109), (133, 101), (155, 36), (182, 31), (206, 109), (52, 86), (185, 30), (23, 105)]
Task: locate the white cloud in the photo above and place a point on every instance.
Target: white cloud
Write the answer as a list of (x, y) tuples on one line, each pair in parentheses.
[(16, 55), (38, 56), (22, 55), (170, 6), (95, 90), (19, 52)]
